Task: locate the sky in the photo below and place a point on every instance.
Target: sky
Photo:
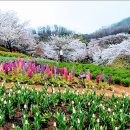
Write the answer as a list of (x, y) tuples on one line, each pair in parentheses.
[(79, 16)]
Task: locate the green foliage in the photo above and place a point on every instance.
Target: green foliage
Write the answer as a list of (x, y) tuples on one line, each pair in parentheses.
[(82, 38), (117, 80), (68, 110), (126, 82), (14, 54)]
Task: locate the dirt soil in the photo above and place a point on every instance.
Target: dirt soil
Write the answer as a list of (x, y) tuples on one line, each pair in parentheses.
[(117, 90)]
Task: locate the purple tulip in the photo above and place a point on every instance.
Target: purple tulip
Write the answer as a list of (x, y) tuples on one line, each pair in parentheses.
[(5, 68), (23, 70), (10, 65), (42, 67), (14, 65), (110, 80), (53, 69), (38, 69), (57, 70)]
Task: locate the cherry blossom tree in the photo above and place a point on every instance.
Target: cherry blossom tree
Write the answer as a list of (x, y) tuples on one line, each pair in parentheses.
[(13, 32), (61, 44)]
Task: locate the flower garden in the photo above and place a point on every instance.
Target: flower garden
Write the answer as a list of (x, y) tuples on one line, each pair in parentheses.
[(26, 108)]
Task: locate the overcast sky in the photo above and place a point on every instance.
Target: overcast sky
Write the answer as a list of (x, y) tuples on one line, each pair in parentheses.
[(80, 16)]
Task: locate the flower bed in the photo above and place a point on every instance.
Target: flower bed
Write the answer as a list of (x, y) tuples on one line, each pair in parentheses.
[(23, 108), (32, 73)]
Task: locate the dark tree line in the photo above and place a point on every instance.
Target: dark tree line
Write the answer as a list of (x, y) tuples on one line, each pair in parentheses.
[(113, 30), (44, 32)]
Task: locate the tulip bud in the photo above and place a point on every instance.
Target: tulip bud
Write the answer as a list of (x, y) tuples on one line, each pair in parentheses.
[(74, 111), (54, 124), (78, 121)]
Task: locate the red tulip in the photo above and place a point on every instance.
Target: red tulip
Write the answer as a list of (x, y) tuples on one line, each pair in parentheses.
[(15, 72), (49, 73), (90, 76)]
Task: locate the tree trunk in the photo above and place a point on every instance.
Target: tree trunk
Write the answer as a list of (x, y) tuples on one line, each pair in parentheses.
[(9, 45)]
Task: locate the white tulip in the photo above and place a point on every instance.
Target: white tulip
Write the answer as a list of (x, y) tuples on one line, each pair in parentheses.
[(5, 102), (93, 115), (72, 102), (74, 111), (25, 106), (26, 122), (2, 99), (109, 109), (98, 120), (64, 118), (13, 126), (19, 91), (116, 128), (78, 121), (54, 124)]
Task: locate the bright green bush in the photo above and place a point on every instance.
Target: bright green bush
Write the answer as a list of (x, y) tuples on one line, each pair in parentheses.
[(117, 80), (126, 82)]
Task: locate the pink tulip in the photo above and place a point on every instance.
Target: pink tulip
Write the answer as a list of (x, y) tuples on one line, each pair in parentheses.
[(1, 67), (65, 71), (66, 75), (29, 73), (47, 68), (87, 77), (70, 77)]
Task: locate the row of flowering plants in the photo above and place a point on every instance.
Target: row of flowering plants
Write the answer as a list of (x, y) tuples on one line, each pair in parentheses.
[(24, 108), (119, 76), (32, 73)]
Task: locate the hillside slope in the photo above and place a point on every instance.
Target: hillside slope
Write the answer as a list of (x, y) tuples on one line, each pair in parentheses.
[(122, 26)]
